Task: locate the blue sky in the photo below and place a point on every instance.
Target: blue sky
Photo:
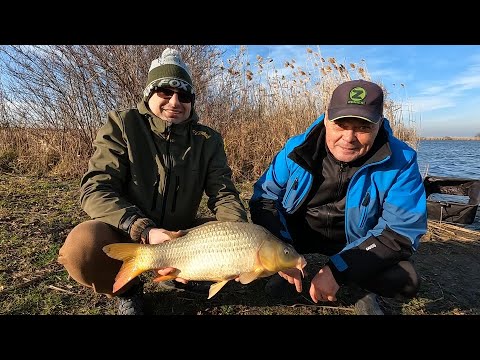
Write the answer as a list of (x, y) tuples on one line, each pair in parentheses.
[(441, 82)]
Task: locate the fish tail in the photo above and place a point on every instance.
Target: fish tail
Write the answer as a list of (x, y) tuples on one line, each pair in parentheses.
[(128, 253)]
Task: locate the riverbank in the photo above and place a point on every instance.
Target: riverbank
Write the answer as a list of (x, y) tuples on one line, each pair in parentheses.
[(36, 214)]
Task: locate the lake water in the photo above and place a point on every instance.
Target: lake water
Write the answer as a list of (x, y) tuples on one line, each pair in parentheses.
[(451, 158)]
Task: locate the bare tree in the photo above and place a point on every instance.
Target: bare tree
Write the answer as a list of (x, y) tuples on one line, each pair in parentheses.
[(4, 113), (68, 89), (64, 87)]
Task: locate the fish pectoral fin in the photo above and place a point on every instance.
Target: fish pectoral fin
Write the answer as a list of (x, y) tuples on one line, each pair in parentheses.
[(248, 277), (164, 278), (171, 276), (214, 288)]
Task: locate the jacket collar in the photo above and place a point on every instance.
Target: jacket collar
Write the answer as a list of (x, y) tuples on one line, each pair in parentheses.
[(310, 153), (159, 125)]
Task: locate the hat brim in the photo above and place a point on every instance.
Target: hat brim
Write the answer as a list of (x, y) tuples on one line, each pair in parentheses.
[(363, 112)]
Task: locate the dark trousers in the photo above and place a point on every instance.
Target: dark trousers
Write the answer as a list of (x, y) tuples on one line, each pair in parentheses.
[(399, 280)]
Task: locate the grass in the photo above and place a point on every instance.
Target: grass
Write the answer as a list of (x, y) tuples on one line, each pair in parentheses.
[(36, 214)]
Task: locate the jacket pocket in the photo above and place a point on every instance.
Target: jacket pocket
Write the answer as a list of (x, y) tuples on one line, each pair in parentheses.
[(364, 210), (290, 192)]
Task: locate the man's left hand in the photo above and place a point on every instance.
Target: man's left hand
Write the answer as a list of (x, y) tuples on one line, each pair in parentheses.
[(324, 287)]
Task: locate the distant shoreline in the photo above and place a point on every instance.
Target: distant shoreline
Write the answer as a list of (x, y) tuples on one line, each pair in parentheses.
[(450, 138)]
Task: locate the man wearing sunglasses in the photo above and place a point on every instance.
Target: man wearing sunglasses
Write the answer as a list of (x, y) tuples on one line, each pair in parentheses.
[(151, 166)]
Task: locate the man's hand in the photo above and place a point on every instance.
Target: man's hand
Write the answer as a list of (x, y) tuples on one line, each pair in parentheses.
[(158, 236), (170, 270), (324, 287), (293, 276)]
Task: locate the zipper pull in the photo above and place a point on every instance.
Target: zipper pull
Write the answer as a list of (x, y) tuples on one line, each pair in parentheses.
[(167, 132), (366, 200)]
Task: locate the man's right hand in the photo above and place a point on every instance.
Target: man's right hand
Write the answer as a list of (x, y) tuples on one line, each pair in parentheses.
[(293, 276)]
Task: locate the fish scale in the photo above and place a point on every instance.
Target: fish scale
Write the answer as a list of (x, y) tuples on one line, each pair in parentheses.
[(216, 251), (198, 253)]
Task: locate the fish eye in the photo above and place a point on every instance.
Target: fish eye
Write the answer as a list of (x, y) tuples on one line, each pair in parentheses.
[(286, 251)]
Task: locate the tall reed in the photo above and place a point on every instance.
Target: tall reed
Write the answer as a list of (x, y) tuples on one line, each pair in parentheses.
[(258, 105), (57, 98)]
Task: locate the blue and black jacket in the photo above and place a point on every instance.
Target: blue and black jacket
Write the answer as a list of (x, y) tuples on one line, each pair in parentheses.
[(385, 205)]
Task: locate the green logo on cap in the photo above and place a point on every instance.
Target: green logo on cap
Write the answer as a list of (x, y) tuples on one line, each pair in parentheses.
[(357, 96)]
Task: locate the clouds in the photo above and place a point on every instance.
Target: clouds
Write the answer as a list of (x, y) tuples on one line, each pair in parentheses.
[(458, 97), (435, 81)]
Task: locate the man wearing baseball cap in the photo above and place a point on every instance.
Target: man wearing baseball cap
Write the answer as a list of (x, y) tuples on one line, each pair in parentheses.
[(151, 166), (347, 188)]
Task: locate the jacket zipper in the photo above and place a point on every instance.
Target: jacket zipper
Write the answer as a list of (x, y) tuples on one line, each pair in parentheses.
[(167, 177), (350, 184), (177, 187), (343, 166), (342, 169), (363, 216), (155, 192)]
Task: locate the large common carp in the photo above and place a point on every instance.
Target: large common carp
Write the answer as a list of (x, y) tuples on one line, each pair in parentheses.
[(216, 251)]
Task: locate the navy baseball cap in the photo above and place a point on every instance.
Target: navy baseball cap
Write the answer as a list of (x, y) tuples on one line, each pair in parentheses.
[(357, 98)]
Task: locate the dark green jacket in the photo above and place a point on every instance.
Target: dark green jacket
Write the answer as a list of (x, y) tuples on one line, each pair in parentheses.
[(142, 168)]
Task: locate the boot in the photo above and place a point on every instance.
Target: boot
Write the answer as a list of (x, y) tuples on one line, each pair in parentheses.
[(196, 287), (131, 301), (368, 305)]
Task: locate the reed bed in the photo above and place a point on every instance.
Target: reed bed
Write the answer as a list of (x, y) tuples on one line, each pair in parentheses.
[(442, 231), (256, 105)]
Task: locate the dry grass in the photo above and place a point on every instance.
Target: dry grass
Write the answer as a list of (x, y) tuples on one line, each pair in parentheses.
[(256, 106), (43, 151), (442, 231)]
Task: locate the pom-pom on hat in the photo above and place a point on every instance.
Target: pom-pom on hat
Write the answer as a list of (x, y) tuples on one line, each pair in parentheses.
[(169, 70)]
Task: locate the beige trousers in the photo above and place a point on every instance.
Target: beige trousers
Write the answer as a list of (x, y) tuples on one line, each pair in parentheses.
[(86, 263)]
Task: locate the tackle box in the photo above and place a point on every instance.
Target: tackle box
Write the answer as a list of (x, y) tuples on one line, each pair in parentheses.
[(447, 208)]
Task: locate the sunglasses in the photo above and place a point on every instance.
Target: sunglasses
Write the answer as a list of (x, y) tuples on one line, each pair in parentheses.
[(165, 93)]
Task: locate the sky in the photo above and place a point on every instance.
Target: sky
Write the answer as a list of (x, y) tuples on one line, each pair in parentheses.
[(441, 83)]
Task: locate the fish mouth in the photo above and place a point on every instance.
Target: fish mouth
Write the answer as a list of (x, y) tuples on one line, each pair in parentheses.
[(301, 264)]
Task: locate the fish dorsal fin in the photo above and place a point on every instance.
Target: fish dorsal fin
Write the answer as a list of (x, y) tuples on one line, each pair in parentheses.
[(248, 277), (214, 288)]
